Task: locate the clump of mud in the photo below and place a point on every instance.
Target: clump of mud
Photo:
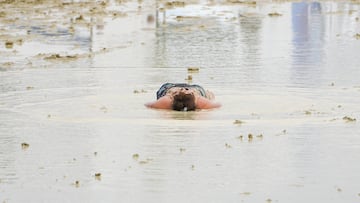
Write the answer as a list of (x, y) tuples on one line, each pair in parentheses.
[(48, 21)]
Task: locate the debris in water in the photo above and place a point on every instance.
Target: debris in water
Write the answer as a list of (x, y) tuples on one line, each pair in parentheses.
[(144, 161), (227, 145), (29, 88), (58, 56), (275, 14), (104, 109), (193, 69), (241, 2), (238, 122), (283, 132), (9, 44), (25, 145), (260, 136), (98, 176), (80, 18), (245, 193), (139, 91), (150, 19), (6, 65), (182, 149), (250, 137), (349, 119), (308, 112), (173, 4), (357, 36), (135, 156), (189, 78)]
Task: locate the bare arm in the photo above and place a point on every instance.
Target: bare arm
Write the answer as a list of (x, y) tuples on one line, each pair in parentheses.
[(162, 103), (203, 103)]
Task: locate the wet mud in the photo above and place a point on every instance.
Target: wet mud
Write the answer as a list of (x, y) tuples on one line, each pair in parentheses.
[(74, 77)]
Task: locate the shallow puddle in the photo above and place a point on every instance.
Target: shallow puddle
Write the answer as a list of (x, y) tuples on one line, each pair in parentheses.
[(74, 79)]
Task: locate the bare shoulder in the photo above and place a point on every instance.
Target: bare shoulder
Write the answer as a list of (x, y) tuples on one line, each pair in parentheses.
[(162, 103), (204, 103)]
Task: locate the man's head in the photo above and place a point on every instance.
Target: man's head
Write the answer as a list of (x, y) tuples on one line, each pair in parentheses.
[(184, 101)]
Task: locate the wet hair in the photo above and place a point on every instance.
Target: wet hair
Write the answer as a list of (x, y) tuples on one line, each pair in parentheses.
[(183, 102)]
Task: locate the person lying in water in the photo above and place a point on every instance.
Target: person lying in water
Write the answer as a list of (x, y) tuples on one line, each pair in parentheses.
[(183, 97)]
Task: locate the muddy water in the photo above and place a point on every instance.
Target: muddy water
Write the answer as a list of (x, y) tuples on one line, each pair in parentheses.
[(74, 79)]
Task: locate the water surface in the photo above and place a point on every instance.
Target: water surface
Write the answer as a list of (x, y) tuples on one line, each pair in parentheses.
[(288, 70)]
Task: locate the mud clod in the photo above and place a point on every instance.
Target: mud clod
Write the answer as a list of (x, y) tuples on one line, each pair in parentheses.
[(142, 162), (9, 44), (193, 69), (104, 109), (135, 156), (173, 4), (58, 56), (274, 14), (241, 2), (250, 137), (308, 112), (139, 91), (98, 176), (349, 119), (260, 136), (238, 122), (25, 145), (189, 78)]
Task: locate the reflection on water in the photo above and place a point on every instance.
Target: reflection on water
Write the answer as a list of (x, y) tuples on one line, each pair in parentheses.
[(250, 29), (308, 33), (288, 79), (308, 42)]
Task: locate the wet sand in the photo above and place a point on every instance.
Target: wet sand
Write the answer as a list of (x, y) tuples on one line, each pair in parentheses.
[(74, 77)]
